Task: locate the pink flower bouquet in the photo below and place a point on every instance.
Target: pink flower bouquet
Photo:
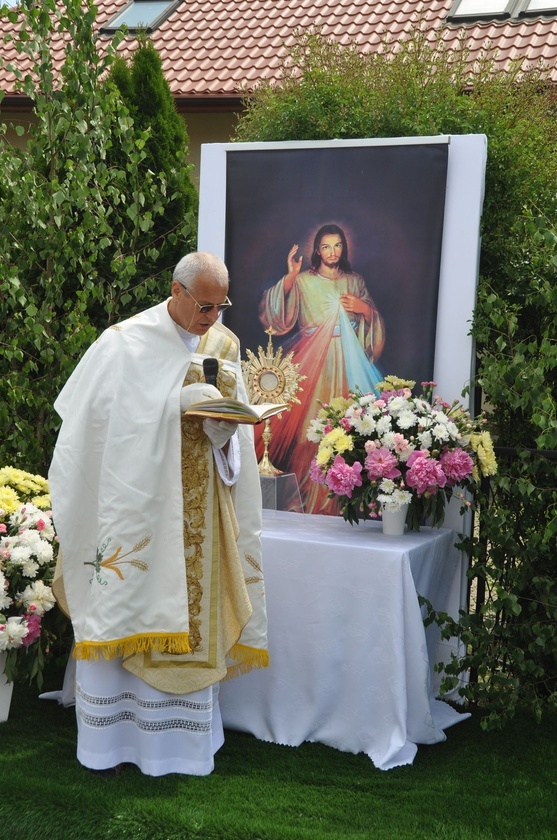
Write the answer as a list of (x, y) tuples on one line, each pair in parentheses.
[(392, 449)]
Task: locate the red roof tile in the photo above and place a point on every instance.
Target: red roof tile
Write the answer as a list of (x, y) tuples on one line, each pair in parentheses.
[(220, 47)]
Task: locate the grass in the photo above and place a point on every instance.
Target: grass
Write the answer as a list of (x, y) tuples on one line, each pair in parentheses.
[(475, 786)]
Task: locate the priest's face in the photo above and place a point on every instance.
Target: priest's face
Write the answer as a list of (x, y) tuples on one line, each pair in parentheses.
[(197, 308)]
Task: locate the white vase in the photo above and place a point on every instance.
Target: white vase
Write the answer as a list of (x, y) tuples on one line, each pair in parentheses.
[(6, 689), (394, 521)]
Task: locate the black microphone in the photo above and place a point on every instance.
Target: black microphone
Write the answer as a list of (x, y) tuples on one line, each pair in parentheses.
[(210, 370)]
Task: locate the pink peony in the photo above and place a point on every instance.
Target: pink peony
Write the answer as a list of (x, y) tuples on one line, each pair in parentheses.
[(456, 464), (380, 463), (33, 629), (41, 525), (3, 528), (425, 474), (341, 478), (316, 473), (417, 453), (346, 424), (401, 444)]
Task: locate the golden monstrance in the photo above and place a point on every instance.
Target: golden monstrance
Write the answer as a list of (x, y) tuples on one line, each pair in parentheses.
[(270, 378)]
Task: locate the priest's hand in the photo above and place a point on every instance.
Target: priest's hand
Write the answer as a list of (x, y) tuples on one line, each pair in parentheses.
[(197, 392), (219, 432)]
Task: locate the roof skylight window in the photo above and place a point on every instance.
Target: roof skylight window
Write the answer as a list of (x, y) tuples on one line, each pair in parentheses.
[(479, 9), (539, 7), (141, 15), (476, 11)]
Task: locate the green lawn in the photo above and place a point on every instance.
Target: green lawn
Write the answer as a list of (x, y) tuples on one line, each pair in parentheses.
[(475, 786)]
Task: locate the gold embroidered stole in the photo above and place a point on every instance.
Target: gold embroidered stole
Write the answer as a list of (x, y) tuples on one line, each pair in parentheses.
[(218, 602)]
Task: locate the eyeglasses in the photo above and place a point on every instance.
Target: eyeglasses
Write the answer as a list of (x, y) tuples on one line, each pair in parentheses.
[(207, 307)]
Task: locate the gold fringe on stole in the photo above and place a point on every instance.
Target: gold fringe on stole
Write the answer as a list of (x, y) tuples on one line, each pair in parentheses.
[(140, 643), (248, 657)]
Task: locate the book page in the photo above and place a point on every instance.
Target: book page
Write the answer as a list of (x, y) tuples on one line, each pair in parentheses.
[(227, 408)]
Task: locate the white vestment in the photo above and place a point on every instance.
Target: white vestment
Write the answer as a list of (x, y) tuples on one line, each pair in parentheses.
[(128, 534)]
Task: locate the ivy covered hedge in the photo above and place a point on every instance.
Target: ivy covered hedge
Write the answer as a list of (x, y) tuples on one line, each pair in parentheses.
[(328, 91)]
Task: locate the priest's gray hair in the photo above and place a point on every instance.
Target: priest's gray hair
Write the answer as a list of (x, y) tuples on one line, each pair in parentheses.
[(200, 263)]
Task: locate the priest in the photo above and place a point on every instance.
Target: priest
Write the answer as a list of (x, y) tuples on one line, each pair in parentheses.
[(158, 515)]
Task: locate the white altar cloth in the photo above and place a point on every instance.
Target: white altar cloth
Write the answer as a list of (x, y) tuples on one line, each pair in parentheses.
[(349, 660)]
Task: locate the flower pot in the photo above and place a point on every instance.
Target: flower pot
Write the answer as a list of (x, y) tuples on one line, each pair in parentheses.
[(6, 689), (394, 520)]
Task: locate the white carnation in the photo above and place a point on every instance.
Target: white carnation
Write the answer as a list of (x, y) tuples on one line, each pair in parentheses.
[(315, 431), (453, 430), (40, 595), (421, 406), (396, 500), (441, 417), (397, 404), (27, 515), (401, 497), (45, 553), (30, 567), (388, 440), (19, 554), (383, 425), (12, 633), (440, 432), (406, 419), (425, 440), (364, 425), (29, 539), (5, 599)]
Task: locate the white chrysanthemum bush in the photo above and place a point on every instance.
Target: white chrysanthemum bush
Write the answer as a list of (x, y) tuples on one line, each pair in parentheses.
[(27, 560)]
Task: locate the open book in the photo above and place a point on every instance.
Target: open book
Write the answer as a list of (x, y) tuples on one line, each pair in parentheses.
[(227, 408)]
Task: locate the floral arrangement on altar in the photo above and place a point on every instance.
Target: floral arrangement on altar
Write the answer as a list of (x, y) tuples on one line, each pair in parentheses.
[(387, 450), (27, 560)]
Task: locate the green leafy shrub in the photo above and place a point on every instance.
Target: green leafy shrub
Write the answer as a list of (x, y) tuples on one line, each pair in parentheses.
[(146, 94), (82, 222)]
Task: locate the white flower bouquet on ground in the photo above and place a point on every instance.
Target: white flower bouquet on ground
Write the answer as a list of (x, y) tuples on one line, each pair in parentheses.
[(27, 559)]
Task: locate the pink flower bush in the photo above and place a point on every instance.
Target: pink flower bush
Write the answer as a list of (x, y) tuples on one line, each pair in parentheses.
[(402, 446), (425, 474), (384, 450), (342, 479), (380, 463), (456, 464), (315, 473), (33, 629)]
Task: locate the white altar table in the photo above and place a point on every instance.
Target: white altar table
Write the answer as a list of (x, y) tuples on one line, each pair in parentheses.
[(350, 661)]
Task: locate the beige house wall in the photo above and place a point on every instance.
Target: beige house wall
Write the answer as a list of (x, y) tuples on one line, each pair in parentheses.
[(212, 127), (207, 127)]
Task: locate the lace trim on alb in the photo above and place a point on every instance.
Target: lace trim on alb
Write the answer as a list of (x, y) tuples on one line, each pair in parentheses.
[(175, 702), (142, 724)]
